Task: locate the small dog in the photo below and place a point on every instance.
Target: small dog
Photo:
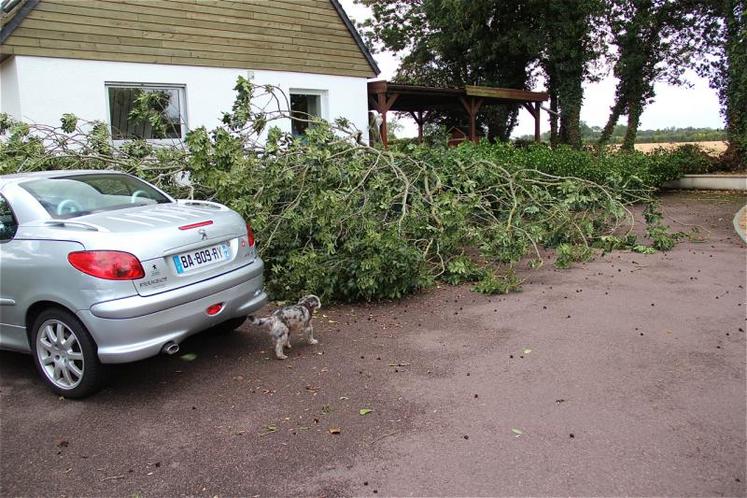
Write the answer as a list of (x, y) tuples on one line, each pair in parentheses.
[(288, 318)]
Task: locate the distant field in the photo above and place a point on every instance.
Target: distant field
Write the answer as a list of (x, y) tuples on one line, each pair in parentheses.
[(715, 147)]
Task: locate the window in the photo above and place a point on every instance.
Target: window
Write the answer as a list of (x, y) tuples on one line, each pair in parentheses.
[(72, 196), (305, 105), (8, 223), (161, 116)]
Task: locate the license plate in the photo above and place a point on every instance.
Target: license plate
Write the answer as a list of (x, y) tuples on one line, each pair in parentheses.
[(201, 258)]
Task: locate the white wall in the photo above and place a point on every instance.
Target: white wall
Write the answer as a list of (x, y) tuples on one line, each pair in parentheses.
[(10, 101), (41, 89)]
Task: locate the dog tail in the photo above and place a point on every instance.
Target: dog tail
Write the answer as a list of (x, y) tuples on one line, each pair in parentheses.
[(260, 322)]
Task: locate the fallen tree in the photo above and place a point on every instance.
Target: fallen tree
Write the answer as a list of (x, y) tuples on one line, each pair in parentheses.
[(352, 222)]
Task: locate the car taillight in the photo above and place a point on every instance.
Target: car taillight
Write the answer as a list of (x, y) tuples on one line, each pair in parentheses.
[(109, 265), (250, 235)]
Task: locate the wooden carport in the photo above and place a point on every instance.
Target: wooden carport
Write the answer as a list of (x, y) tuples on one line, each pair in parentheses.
[(422, 101)]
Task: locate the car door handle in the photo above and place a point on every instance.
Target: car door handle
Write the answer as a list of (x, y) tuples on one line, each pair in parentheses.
[(6, 301)]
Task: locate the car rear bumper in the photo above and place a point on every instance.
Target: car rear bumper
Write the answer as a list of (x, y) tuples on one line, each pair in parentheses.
[(129, 329)]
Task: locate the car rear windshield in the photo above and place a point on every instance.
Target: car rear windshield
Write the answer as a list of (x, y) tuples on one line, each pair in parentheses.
[(72, 196)]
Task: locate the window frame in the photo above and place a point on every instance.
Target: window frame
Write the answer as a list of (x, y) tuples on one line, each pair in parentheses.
[(183, 114), (13, 216), (317, 92)]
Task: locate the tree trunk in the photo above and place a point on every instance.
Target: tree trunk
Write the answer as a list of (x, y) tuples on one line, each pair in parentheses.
[(635, 109), (615, 113), (570, 125), (571, 96), (552, 89), (735, 92), (554, 119)]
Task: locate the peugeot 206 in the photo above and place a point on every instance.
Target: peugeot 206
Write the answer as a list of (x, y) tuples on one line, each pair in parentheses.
[(100, 267)]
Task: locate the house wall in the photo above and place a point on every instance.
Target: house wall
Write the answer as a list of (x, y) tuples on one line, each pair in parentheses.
[(10, 101), (41, 89)]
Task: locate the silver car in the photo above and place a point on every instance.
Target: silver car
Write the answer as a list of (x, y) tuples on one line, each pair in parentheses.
[(100, 267)]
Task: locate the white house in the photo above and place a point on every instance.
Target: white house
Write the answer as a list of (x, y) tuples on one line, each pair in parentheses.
[(90, 58)]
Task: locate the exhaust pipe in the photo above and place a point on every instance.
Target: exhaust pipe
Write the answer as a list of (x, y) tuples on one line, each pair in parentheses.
[(170, 348)]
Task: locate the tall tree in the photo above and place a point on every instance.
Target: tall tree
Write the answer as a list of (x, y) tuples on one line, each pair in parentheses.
[(572, 30), (656, 40), (727, 70)]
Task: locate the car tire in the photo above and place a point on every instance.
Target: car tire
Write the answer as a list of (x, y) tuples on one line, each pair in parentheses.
[(231, 325), (65, 354)]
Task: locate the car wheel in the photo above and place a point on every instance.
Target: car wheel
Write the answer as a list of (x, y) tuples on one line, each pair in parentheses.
[(231, 325), (65, 354)]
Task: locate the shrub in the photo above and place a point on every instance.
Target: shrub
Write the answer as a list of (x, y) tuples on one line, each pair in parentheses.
[(687, 159), (634, 173)]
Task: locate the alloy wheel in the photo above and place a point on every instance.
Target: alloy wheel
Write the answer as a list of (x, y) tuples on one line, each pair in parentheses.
[(60, 354)]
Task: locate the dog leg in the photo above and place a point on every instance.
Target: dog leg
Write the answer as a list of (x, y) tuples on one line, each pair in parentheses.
[(309, 331), (279, 351), (280, 337)]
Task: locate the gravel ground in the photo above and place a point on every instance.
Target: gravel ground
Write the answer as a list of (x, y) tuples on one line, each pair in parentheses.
[(622, 376)]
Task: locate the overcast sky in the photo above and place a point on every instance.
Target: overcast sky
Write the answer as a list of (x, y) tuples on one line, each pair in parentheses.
[(696, 106)]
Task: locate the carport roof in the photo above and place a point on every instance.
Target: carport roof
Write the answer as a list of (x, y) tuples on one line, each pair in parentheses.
[(420, 98), (422, 101)]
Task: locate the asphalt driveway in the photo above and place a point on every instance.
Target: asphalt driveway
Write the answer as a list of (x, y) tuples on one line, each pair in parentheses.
[(623, 376)]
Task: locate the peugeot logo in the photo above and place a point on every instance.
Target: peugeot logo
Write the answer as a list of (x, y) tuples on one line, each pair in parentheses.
[(203, 233)]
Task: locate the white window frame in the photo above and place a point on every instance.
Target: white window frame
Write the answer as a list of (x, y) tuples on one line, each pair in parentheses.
[(323, 100), (183, 116)]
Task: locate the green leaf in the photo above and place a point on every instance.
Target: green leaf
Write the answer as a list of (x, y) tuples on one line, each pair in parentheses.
[(364, 411), (69, 122)]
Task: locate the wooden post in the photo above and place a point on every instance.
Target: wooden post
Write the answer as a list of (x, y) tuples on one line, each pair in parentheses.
[(472, 125), (534, 110), (472, 106), (383, 104), (383, 131), (420, 118)]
